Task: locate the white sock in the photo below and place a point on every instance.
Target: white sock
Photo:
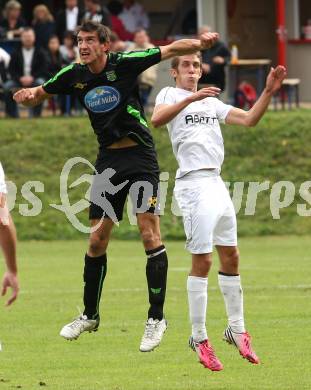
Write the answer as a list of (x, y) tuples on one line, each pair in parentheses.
[(197, 298), (231, 289)]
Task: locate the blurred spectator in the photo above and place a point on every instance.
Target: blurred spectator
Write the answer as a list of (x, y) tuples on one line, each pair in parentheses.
[(96, 12), (68, 19), (116, 44), (190, 23), (115, 8), (214, 61), (69, 50), (148, 78), (12, 22), (134, 16), (55, 64), (4, 64), (54, 56), (43, 25), (27, 68)]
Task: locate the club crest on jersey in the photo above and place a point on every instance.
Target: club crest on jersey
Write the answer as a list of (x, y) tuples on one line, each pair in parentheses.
[(152, 201), (80, 85), (102, 99), (111, 75)]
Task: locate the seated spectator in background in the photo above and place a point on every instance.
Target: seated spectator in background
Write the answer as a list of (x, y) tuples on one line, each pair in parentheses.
[(115, 8), (214, 61), (116, 44), (27, 68), (133, 16), (55, 63), (43, 25), (96, 12), (54, 57), (4, 64), (69, 50), (68, 19), (12, 22), (148, 78)]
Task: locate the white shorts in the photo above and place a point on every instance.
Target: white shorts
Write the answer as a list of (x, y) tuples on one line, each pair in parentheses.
[(208, 212), (3, 188)]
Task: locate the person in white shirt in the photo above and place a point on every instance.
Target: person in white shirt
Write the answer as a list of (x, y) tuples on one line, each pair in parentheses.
[(133, 16), (8, 244), (4, 64), (192, 118), (27, 68), (68, 19)]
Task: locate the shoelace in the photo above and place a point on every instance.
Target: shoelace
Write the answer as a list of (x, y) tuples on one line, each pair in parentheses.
[(149, 331), (76, 323)]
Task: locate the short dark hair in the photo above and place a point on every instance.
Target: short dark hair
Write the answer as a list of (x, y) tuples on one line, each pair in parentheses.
[(175, 60), (103, 32), (27, 29)]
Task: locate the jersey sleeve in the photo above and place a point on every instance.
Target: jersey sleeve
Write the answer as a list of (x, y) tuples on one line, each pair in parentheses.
[(61, 83), (138, 61), (165, 96), (222, 110)]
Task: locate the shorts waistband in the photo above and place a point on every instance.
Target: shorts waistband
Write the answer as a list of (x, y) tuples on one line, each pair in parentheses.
[(199, 174)]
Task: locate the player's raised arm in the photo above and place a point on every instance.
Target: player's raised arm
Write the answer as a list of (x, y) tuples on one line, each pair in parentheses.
[(188, 46), (236, 116), (31, 97), (164, 113)]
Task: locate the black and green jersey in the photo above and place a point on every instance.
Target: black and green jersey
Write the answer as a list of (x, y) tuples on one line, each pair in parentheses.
[(111, 97)]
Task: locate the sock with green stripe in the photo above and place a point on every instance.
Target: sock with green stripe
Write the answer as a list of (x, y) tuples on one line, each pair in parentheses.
[(156, 272), (95, 269)]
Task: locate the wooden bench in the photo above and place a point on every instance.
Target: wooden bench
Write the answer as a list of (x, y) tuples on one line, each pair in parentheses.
[(290, 92)]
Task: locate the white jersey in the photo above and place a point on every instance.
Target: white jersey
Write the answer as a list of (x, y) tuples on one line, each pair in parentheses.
[(2, 181), (195, 132)]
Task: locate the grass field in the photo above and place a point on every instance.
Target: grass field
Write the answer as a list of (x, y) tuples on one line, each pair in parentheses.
[(277, 286), (275, 151)]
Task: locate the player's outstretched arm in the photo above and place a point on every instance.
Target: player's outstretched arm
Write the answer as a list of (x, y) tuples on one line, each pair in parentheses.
[(236, 116), (31, 97), (164, 113), (188, 46)]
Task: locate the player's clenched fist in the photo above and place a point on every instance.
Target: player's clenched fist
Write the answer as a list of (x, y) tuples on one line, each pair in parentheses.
[(23, 95), (208, 40)]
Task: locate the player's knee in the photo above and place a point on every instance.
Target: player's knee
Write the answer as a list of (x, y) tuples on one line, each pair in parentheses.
[(150, 238), (233, 256), (201, 265), (97, 245), (205, 264)]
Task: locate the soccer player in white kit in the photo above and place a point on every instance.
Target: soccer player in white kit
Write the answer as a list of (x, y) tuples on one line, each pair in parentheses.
[(192, 118), (8, 244)]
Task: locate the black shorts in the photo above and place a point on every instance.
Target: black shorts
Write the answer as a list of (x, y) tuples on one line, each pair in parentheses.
[(132, 171)]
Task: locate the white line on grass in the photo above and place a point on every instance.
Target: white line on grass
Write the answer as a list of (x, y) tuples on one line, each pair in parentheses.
[(178, 289)]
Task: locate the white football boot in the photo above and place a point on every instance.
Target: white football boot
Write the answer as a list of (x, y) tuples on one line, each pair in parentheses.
[(81, 324), (153, 334)]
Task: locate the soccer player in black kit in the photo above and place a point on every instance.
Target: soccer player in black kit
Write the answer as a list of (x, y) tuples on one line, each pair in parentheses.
[(106, 85)]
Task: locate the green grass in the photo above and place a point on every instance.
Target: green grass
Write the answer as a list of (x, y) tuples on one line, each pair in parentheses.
[(277, 286), (276, 150)]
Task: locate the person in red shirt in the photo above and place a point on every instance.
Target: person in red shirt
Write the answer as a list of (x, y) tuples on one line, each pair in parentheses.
[(115, 8)]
